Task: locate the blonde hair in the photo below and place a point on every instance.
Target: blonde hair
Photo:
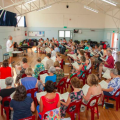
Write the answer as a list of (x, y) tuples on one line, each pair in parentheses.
[(56, 64), (75, 82), (29, 71), (92, 80)]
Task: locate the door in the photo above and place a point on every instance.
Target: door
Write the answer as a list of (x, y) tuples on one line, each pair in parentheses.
[(67, 34), (114, 40)]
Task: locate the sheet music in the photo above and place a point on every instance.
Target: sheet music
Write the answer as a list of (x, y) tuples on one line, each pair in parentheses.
[(44, 61), (76, 65), (103, 84), (85, 89), (63, 96), (67, 46), (107, 74), (53, 58), (40, 94), (72, 56), (102, 59), (48, 50), (43, 76)]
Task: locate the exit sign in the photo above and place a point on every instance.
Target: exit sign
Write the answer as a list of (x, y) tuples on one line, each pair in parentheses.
[(65, 26)]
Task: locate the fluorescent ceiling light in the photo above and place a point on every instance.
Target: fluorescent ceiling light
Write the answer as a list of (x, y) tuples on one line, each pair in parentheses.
[(110, 2), (29, 1), (91, 9), (43, 8)]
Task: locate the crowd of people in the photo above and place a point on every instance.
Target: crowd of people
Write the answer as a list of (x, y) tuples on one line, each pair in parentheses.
[(23, 105)]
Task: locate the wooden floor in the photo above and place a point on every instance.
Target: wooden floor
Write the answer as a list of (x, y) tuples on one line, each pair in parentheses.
[(105, 114)]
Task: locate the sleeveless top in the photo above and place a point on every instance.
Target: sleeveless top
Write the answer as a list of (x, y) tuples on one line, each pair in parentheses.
[(89, 65), (5, 72), (49, 104)]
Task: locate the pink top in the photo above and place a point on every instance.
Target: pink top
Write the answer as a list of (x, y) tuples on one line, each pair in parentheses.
[(49, 104), (110, 61), (5, 72)]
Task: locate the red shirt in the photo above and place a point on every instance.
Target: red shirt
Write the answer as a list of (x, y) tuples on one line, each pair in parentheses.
[(110, 61), (5, 72), (49, 104)]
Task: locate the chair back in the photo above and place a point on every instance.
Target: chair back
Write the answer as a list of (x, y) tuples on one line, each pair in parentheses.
[(63, 81), (61, 64), (24, 75), (42, 72), (76, 104), (93, 101), (72, 77), (54, 114), (117, 92), (29, 118), (32, 92), (6, 99)]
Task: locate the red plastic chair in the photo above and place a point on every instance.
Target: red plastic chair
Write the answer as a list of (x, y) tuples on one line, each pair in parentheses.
[(83, 77), (68, 83), (88, 105), (29, 118), (61, 64), (7, 109), (24, 75), (42, 72), (77, 105), (32, 92), (62, 86), (116, 98)]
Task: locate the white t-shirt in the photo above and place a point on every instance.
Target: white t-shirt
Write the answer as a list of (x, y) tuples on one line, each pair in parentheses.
[(53, 53), (8, 44)]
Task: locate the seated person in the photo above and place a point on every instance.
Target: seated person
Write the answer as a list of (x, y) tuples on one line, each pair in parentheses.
[(56, 48), (49, 62), (53, 53), (8, 90), (21, 104), (51, 44), (76, 95), (94, 89), (82, 66), (5, 70), (25, 44), (29, 82), (51, 77), (38, 68), (88, 60), (109, 64), (96, 49), (21, 69), (113, 85), (86, 48), (58, 57), (50, 101), (39, 43), (59, 72)]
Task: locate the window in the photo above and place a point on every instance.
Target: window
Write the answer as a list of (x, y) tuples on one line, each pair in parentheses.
[(21, 22), (67, 33), (61, 33)]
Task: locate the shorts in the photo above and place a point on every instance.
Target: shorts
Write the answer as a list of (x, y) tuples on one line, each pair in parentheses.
[(10, 54), (105, 68)]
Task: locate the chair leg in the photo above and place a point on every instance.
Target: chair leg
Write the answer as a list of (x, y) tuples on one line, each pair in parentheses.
[(92, 114), (1, 109), (7, 114), (78, 115), (97, 112), (117, 101), (107, 99), (62, 90), (72, 117)]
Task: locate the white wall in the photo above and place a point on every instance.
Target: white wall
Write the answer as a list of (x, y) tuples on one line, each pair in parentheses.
[(59, 16)]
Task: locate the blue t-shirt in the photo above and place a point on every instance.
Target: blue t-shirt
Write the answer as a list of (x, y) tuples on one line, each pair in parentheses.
[(29, 83), (50, 78), (21, 108), (86, 48)]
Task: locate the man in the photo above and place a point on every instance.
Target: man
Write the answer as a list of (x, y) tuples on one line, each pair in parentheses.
[(56, 48), (9, 46), (109, 64)]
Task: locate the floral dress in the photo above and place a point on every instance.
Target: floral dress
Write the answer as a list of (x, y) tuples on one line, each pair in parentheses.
[(38, 68), (73, 96)]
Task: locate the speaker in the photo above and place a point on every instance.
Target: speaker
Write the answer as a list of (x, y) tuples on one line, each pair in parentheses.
[(67, 6)]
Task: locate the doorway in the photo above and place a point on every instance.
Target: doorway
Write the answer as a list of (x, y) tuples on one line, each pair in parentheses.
[(114, 40)]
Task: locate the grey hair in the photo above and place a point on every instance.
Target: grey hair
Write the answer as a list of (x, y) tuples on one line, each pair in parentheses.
[(9, 81), (109, 51), (52, 70)]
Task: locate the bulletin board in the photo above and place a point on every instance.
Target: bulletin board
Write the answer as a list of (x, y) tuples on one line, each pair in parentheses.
[(36, 34)]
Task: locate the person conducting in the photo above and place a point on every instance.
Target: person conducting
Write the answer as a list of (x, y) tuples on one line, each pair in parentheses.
[(9, 46)]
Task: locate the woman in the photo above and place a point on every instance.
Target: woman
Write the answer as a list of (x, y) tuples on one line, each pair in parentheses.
[(58, 57), (5, 70), (113, 85), (82, 66), (51, 77), (21, 104), (94, 89), (38, 68), (29, 82), (76, 95), (21, 69), (59, 72), (50, 101), (88, 61)]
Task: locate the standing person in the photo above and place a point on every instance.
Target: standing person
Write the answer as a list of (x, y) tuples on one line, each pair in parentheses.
[(9, 46)]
